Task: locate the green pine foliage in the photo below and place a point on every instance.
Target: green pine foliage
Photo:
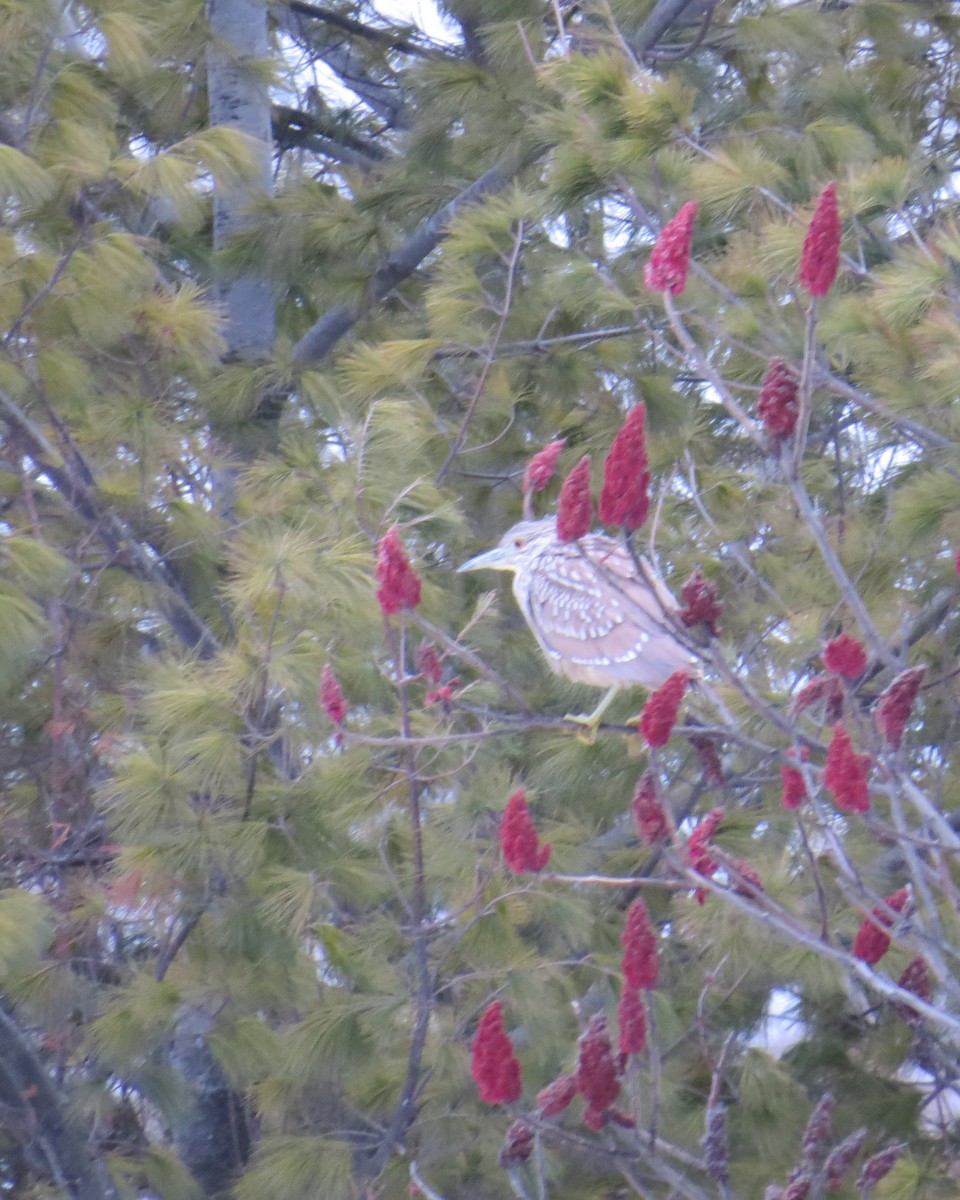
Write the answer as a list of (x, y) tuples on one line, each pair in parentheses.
[(189, 537)]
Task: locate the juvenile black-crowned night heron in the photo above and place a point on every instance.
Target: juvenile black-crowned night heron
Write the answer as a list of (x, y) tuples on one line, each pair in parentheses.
[(596, 618)]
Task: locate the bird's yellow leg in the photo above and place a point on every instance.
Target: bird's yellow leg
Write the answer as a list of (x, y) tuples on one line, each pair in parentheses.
[(590, 724)]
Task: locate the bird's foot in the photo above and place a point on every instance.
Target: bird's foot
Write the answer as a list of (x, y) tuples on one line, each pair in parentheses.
[(636, 746), (589, 726)]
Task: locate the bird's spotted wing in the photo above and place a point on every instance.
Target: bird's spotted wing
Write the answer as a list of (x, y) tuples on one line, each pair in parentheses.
[(597, 621)]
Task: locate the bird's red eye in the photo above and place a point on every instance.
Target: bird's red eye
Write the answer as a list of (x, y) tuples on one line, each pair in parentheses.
[(518, 542)]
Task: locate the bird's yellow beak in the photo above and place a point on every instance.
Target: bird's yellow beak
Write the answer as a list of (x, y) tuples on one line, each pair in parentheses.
[(497, 559)]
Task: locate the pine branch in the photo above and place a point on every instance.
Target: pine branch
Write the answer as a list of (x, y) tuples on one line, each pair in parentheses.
[(74, 482), (665, 14), (461, 436), (294, 127), (384, 98), (390, 39), (401, 262), (423, 997), (41, 293), (47, 1133)]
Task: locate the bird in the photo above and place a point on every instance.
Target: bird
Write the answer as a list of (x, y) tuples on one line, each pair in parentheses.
[(597, 619)]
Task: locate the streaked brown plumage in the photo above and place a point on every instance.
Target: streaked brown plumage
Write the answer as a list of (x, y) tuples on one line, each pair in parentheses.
[(596, 620)]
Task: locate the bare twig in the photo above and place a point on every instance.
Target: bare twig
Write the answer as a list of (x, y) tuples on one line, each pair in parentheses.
[(806, 384), (419, 1182), (423, 1000), (468, 656), (761, 909), (461, 436), (73, 482), (851, 596), (707, 369), (26, 1087)]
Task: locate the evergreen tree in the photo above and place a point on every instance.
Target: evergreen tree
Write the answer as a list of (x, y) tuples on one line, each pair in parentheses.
[(308, 885)]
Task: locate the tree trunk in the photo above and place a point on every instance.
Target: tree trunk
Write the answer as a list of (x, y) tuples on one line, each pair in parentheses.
[(238, 99)]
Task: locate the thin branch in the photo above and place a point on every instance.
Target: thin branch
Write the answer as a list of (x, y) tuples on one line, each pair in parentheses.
[(55, 276), (73, 481), (468, 656), (423, 1000), (707, 369), (176, 943), (675, 53), (418, 1182), (540, 345), (805, 390), (255, 719), (929, 618), (914, 429), (293, 127), (390, 39), (385, 99), (491, 354), (833, 564), (923, 805), (762, 909), (34, 98), (664, 14), (614, 881), (28, 1089)]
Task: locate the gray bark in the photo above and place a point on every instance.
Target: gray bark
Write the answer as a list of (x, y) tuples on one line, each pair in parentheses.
[(212, 1135), (664, 15), (238, 100)]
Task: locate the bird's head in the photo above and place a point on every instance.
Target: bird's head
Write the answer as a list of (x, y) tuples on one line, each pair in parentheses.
[(515, 548)]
